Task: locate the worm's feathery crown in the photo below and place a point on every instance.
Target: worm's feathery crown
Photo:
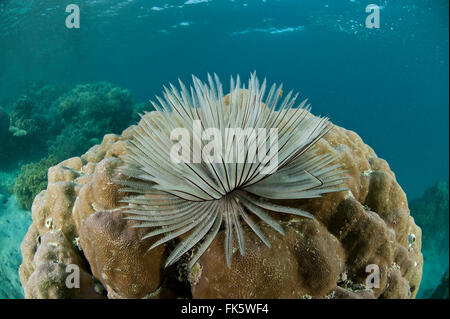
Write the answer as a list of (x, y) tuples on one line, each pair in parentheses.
[(195, 199)]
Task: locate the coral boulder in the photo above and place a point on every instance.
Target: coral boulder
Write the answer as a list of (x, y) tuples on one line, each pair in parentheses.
[(363, 243)]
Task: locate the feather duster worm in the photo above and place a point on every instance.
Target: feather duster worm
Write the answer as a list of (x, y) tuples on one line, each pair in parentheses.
[(193, 199)]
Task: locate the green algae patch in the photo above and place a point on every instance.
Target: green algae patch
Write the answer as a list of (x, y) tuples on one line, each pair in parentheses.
[(32, 180)]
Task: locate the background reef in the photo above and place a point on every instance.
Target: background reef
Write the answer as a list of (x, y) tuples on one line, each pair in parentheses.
[(431, 212), (48, 124)]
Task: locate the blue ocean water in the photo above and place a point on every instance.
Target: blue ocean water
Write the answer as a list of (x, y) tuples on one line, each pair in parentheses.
[(388, 84)]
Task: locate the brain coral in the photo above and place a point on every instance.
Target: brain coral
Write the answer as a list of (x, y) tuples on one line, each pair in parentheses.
[(325, 257)]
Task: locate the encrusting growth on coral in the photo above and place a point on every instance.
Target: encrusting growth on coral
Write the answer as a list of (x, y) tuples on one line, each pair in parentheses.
[(32, 180), (196, 198)]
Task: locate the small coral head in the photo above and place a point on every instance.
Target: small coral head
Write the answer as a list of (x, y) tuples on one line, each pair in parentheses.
[(225, 180)]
